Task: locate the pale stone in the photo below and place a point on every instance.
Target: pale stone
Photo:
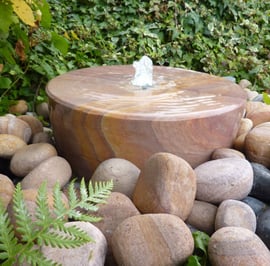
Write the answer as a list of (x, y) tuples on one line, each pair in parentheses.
[(253, 107), (202, 216), (10, 124), (221, 179), (226, 153), (167, 184), (90, 254), (123, 173), (30, 156), (237, 246), (9, 144), (244, 83), (245, 126), (251, 94), (260, 115), (117, 208), (235, 213), (257, 144), (6, 190), (52, 170), (152, 239), (33, 122)]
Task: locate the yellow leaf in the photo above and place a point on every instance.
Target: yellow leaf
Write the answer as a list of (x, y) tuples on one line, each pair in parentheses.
[(24, 12), (66, 35), (74, 35)]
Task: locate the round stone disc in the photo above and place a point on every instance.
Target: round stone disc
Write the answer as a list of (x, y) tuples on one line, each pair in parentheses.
[(96, 114)]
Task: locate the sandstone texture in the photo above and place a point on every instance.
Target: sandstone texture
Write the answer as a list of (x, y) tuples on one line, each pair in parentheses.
[(221, 179), (30, 156), (257, 144), (235, 213), (202, 216), (52, 170), (90, 254), (123, 173), (152, 239), (9, 144), (237, 246), (167, 184)]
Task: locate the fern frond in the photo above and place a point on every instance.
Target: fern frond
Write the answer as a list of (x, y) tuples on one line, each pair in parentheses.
[(88, 206), (49, 227), (77, 215), (58, 204), (99, 191), (8, 242), (72, 195), (23, 219), (43, 215), (83, 190), (70, 239), (36, 258), (89, 199)]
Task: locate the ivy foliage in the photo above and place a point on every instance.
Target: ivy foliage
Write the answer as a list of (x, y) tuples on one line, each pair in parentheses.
[(21, 242), (221, 37)]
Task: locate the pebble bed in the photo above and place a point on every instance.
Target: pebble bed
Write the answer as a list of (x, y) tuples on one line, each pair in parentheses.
[(151, 213)]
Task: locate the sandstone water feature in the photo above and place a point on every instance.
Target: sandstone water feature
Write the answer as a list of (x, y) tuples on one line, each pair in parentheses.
[(97, 113), (143, 218)]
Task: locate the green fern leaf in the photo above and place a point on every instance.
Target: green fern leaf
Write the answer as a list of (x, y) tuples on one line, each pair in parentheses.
[(99, 191), (88, 206), (8, 242), (77, 215), (83, 190), (72, 195), (70, 237), (49, 227), (36, 258), (59, 207), (43, 215), (23, 219)]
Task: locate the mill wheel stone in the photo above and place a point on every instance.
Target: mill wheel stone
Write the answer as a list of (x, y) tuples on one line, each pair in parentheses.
[(96, 114)]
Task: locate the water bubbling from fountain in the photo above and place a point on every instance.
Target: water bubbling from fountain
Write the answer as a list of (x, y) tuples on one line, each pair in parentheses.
[(143, 72)]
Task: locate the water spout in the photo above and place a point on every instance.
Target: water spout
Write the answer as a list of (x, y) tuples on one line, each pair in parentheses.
[(143, 72)]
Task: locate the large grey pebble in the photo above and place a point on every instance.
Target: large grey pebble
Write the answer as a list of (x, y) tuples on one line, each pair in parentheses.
[(52, 170), (221, 179), (263, 226), (261, 184), (89, 254), (30, 156)]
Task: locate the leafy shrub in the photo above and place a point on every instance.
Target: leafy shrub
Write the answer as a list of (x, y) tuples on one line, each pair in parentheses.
[(48, 227), (220, 37)]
